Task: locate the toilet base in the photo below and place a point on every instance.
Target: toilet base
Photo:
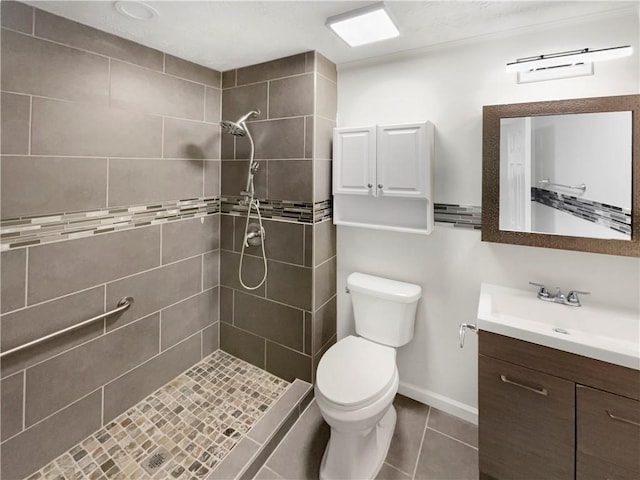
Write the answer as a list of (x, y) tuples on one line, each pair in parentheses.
[(358, 455)]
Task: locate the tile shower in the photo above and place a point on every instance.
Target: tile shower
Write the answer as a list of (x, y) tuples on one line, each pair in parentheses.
[(112, 185)]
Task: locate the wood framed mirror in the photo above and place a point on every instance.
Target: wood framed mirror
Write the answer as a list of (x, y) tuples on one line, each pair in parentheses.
[(563, 174)]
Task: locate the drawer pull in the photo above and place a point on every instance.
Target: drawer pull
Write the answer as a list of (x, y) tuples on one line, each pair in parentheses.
[(539, 391), (621, 419)]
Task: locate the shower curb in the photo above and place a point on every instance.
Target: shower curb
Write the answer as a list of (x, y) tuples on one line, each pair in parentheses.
[(250, 454)]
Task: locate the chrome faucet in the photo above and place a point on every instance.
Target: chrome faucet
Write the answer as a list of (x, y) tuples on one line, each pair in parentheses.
[(571, 299)]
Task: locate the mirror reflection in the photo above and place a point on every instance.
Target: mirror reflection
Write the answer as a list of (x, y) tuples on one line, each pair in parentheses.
[(567, 174)]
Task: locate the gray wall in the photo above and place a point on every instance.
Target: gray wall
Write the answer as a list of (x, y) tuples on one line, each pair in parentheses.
[(286, 323), (91, 122)]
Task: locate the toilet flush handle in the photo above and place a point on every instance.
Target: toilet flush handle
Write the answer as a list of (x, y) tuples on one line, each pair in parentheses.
[(463, 331)]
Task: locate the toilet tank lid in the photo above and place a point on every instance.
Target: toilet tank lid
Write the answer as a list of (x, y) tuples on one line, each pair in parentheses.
[(384, 288)]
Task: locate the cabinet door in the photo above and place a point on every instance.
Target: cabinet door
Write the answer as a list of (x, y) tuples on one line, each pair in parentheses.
[(608, 433), (354, 160), (526, 423), (403, 160)]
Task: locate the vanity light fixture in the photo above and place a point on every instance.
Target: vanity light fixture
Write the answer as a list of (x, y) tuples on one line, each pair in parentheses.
[(573, 63), (364, 25)]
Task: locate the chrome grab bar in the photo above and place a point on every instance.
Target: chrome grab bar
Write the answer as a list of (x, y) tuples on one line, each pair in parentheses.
[(123, 304), (582, 187), (539, 391), (621, 419)]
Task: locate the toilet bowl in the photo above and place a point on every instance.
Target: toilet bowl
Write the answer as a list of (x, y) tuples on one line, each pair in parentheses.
[(358, 407), (357, 378)]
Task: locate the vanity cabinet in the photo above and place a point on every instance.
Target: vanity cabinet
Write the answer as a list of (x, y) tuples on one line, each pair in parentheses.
[(382, 176), (550, 414)]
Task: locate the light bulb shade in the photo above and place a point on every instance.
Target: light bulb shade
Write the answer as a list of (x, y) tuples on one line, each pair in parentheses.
[(568, 58), (364, 25)]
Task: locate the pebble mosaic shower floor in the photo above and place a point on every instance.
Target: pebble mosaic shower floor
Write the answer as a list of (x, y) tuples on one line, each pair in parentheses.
[(185, 428)]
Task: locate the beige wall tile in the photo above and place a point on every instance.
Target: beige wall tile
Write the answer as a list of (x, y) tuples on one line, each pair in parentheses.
[(290, 180), (268, 319), (213, 105), (75, 34), (155, 289), (210, 273), (137, 384), (287, 364), (31, 450), (243, 345), (142, 90), (191, 140), (191, 71), (75, 129), (210, 339), (11, 402), (324, 282), (41, 185), (38, 67), (136, 181), (326, 67), (275, 139), (183, 319), (326, 98), (59, 268), (291, 97), (290, 284), (238, 101), (13, 277), (16, 16), (61, 380), (16, 117), (34, 322), (281, 67), (186, 238), (211, 178), (229, 79)]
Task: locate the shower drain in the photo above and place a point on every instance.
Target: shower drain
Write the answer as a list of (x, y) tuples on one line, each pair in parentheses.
[(154, 461)]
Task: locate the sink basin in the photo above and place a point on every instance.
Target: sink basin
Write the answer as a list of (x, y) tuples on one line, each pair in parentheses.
[(603, 332)]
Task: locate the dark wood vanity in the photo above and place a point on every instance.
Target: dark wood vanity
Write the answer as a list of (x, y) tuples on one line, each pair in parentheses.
[(549, 414)]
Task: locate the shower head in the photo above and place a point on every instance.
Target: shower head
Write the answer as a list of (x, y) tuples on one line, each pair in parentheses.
[(238, 128), (233, 128)]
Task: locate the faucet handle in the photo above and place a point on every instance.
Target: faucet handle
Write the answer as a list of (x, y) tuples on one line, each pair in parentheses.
[(542, 292), (572, 297)]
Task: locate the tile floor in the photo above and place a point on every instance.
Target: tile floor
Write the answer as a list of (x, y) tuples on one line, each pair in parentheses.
[(196, 419), (427, 444)]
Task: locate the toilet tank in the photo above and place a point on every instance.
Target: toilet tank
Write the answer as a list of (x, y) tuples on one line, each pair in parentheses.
[(384, 309)]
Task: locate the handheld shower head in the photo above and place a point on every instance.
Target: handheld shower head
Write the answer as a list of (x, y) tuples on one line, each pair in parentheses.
[(238, 128)]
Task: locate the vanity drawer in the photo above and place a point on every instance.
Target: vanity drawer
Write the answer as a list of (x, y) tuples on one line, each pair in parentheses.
[(576, 368), (608, 428), (526, 422)]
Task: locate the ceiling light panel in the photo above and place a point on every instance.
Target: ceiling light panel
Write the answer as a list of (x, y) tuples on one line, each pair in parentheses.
[(364, 25)]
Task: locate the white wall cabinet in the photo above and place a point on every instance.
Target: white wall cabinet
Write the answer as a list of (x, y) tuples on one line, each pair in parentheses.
[(382, 177)]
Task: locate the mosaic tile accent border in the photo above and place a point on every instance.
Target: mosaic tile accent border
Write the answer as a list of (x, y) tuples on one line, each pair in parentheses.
[(196, 419), (26, 231), (616, 218), (301, 212), (460, 216)]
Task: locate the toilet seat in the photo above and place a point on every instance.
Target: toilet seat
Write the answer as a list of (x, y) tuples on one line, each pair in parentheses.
[(355, 372)]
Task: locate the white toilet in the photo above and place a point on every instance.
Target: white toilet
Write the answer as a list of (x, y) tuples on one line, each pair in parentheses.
[(357, 378)]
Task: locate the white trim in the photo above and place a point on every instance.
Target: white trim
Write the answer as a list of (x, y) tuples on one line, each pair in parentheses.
[(446, 404)]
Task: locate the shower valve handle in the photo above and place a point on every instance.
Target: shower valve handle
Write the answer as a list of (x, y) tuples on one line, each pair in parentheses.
[(369, 185)]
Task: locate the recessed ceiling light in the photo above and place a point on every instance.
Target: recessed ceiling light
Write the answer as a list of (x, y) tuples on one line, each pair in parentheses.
[(135, 10), (364, 25)]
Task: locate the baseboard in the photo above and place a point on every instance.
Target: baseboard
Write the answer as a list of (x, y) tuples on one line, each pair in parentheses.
[(440, 402)]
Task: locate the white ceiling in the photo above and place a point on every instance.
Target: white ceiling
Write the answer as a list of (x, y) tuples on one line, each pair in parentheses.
[(230, 34)]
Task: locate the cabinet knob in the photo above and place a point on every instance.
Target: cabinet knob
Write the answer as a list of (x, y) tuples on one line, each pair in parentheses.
[(369, 185), (379, 185)]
